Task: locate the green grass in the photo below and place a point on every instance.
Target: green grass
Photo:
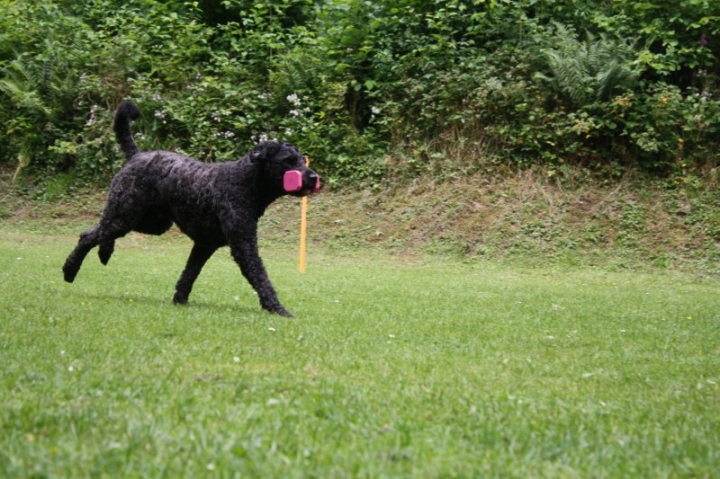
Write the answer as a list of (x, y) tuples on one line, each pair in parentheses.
[(391, 368)]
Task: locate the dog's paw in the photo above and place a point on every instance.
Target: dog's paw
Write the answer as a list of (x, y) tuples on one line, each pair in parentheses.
[(69, 273), (180, 299), (283, 312), (105, 252)]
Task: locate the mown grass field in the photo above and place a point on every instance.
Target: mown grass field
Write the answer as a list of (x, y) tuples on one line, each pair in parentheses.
[(392, 368)]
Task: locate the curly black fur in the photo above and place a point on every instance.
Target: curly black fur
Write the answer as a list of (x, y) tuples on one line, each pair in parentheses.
[(215, 204)]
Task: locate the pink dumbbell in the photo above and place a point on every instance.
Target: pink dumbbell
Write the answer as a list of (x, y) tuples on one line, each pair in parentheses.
[(293, 182)]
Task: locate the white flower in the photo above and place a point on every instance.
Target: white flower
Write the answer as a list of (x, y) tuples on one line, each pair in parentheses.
[(91, 120), (375, 110), (294, 99), (262, 138)]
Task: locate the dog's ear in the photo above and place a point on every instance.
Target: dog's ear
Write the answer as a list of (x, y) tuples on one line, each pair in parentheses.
[(258, 153), (264, 150)]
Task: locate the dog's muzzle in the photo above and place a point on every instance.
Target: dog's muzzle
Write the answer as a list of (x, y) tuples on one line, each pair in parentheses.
[(293, 182)]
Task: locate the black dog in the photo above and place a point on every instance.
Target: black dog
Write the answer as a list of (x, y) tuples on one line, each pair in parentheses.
[(214, 204)]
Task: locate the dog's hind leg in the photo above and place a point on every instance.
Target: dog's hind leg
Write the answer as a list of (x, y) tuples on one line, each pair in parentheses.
[(101, 234), (152, 222), (198, 257), (105, 251)]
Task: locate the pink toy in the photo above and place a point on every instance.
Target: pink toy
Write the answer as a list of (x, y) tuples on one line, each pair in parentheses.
[(292, 182)]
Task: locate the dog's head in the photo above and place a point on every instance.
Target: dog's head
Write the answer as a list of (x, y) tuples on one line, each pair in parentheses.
[(283, 164)]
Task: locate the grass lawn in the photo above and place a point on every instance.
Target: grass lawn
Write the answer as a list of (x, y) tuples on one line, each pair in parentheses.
[(391, 368)]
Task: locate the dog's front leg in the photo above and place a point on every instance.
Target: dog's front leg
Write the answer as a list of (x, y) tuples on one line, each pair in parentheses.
[(245, 253)]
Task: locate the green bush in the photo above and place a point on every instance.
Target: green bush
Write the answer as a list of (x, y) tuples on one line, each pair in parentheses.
[(367, 89)]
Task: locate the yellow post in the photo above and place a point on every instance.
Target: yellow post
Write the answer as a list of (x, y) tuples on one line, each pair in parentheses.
[(303, 227)]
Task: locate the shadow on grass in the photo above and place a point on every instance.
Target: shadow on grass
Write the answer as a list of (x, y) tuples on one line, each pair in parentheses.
[(118, 300)]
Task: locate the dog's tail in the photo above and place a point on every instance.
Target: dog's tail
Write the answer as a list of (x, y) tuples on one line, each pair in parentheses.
[(124, 114)]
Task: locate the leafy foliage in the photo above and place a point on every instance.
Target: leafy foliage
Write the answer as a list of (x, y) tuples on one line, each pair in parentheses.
[(590, 70), (368, 89)]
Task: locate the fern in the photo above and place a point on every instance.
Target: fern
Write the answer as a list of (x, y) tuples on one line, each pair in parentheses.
[(24, 157), (590, 70), (294, 73), (24, 96), (40, 87)]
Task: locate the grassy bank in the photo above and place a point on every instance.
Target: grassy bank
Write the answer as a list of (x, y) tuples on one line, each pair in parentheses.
[(638, 224)]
